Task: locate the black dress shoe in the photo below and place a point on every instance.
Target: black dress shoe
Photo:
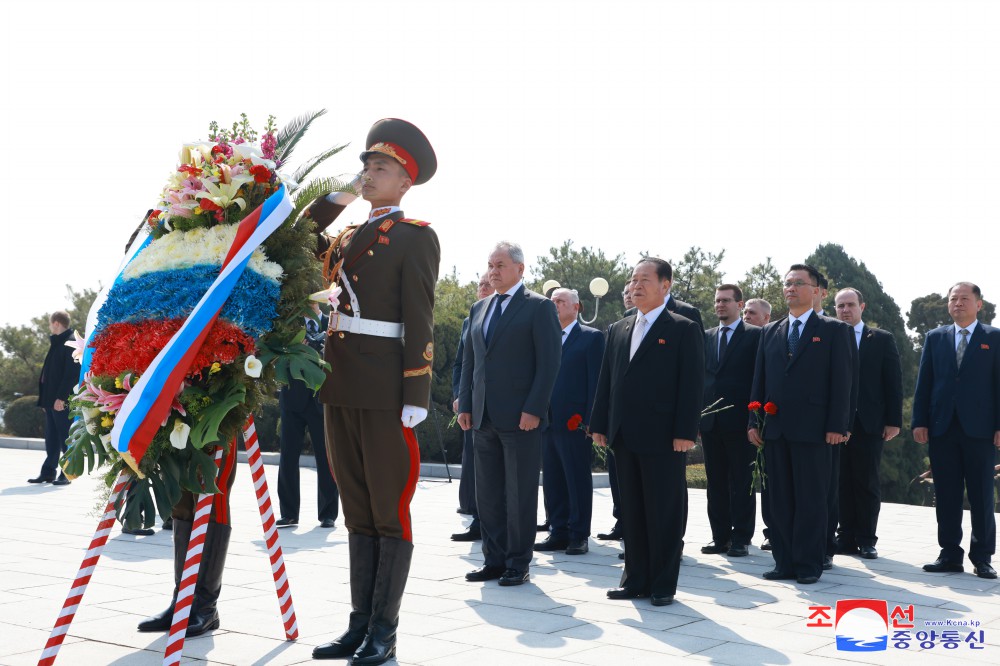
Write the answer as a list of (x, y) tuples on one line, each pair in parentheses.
[(774, 574), (625, 593), (738, 551), (470, 535), (544, 527), (139, 532), (328, 523), (552, 543), (943, 566), (61, 481), (512, 577), (715, 548), (40, 480), (868, 552), (984, 570), (577, 547), (807, 580), (615, 534), (168, 524), (845, 549), (661, 599), (766, 545), (286, 522), (827, 562), (484, 573)]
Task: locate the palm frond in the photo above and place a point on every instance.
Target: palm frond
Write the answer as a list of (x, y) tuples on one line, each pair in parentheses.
[(314, 189), (314, 162), (290, 134)]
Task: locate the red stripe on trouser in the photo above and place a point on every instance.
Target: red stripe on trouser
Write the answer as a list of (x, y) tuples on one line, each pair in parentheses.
[(221, 499), (411, 483)]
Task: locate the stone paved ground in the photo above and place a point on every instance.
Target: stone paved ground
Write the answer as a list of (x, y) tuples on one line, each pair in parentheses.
[(725, 612)]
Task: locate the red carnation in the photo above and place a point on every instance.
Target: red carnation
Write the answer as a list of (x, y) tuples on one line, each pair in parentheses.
[(208, 204), (574, 422), (261, 174), (770, 408), (189, 169), (754, 406)]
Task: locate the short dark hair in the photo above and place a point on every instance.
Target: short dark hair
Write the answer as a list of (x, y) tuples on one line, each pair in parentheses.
[(861, 299), (737, 292), (976, 291), (60, 316), (813, 273), (663, 269), (822, 282)]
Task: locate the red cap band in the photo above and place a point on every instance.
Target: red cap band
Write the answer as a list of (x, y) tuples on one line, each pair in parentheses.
[(398, 153)]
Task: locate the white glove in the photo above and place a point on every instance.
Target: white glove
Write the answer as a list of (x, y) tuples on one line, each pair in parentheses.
[(344, 198), (413, 416)]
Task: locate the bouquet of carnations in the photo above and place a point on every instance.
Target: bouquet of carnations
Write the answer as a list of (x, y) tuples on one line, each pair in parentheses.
[(204, 316)]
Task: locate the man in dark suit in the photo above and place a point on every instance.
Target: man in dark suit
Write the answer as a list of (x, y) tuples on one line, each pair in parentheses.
[(730, 355), (60, 373), (647, 407), (511, 361), (567, 454), (467, 484), (685, 310), (300, 409), (956, 409), (878, 419), (757, 311), (806, 367)]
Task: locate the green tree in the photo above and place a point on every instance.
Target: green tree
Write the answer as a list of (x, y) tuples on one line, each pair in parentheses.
[(764, 281), (696, 276), (574, 269)]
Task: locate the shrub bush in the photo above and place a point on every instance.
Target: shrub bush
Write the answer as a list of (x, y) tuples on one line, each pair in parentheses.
[(24, 418)]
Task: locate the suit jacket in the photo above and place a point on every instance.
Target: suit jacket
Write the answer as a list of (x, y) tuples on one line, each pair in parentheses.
[(576, 382), (656, 397), (730, 380), (518, 369), (880, 390), (971, 392), (456, 369), (685, 310), (60, 373), (814, 389)]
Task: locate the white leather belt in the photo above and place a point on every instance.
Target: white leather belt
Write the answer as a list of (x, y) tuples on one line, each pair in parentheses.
[(382, 329)]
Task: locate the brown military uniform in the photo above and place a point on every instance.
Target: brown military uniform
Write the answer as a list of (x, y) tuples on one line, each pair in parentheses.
[(391, 266)]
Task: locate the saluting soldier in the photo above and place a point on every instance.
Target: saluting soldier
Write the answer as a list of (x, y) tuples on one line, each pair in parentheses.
[(381, 350)]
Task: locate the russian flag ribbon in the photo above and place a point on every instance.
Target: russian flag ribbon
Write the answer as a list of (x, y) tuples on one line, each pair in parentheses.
[(147, 405)]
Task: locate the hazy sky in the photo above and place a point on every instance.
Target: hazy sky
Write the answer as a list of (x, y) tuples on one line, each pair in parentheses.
[(764, 128)]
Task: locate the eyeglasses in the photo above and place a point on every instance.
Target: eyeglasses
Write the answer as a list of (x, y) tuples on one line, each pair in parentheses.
[(797, 284)]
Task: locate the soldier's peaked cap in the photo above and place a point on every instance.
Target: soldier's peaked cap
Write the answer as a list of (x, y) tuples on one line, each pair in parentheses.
[(406, 144)]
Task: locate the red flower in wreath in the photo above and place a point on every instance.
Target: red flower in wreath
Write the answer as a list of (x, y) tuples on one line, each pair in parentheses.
[(261, 174)]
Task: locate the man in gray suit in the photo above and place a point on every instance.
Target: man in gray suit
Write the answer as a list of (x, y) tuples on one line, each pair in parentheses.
[(511, 361)]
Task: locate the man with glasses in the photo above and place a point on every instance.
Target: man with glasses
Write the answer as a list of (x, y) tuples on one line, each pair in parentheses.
[(805, 366)]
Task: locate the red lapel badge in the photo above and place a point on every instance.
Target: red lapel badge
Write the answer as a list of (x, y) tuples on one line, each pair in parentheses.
[(383, 240), (662, 341), (984, 346), (816, 340), (385, 226)]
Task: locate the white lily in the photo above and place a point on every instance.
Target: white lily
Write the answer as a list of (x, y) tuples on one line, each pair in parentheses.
[(196, 153), (91, 413), (331, 295), (247, 151), (224, 194), (92, 427), (179, 435), (252, 366), (78, 344)]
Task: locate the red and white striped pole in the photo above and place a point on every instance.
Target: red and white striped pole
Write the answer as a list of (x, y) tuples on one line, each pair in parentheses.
[(270, 531), (192, 563), (68, 611)]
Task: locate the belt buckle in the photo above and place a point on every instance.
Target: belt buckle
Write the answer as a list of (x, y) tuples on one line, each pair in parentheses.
[(334, 324)]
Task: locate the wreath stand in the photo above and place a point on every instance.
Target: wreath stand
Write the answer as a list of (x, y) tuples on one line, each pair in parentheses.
[(185, 593)]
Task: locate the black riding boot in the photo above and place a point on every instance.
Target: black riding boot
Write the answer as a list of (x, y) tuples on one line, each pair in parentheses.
[(182, 534), (390, 581), (204, 612), (364, 555)]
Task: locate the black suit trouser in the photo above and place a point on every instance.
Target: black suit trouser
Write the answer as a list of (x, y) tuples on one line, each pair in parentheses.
[(798, 479), (860, 488), (654, 517), (294, 423), (507, 467), (833, 500), (616, 496), (961, 463), (56, 432), (467, 484), (568, 483), (732, 506)]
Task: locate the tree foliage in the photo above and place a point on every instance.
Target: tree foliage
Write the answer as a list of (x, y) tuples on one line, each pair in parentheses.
[(696, 276), (764, 281), (574, 269)]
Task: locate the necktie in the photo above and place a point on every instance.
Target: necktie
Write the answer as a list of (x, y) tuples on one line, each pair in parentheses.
[(311, 326), (564, 337), (723, 342), (497, 311), (637, 333), (962, 346), (793, 337)]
